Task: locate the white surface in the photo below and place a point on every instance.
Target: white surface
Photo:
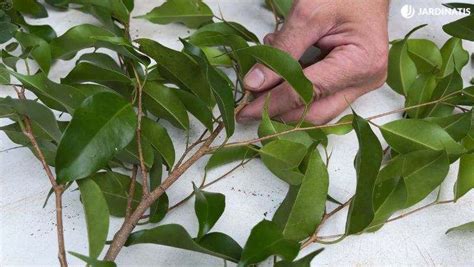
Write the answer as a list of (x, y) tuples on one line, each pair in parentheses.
[(28, 232)]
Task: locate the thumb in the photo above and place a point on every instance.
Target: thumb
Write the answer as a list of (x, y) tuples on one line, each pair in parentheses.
[(289, 39)]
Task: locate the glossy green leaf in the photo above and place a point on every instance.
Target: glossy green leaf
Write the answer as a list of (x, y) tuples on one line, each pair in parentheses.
[(159, 138), (96, 214), (197, 107), (130, 153), (462, 28), (283, 158), (228, 28), (217, 57), (225, 155), (7, 31), (303, 262), (221, 87), (469, 227), (222, 244), (30, 7), (45, 32), (162, 102), (446, 86), (192, 13), (402, 70), (159, 208), (173, 235), (41, 50), (177, 68), (420, 92), (303, 208), (93, 262), (340, 129), (60, 97), (268, 127), (468, 141), (266, 239), (285, 66), (455, 57), (37, 112), (209, 208), (367, 165), (4, 75), (405, 136), (457, 125), (116, 8), (406, 180), (465, 180), (103, 125), (9, 59), (425, 54), (115, 189)]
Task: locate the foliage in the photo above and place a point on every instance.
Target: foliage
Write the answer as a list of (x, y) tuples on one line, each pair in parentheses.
[(117, 101)]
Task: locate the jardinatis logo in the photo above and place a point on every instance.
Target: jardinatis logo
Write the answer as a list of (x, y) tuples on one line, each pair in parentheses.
[(409, 11)]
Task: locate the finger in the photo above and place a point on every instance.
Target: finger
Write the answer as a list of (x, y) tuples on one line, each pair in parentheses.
[(325, 109), (282, 99), (292, 40)]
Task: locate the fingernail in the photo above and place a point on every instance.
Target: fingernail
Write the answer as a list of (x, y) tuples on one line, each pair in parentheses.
[(255, 79)]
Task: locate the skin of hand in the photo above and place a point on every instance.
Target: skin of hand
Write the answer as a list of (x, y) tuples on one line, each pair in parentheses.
[(354, 39)]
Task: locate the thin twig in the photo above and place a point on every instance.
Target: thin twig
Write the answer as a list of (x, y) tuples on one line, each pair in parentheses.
[(190, 148), (131, 191), (58, 189)]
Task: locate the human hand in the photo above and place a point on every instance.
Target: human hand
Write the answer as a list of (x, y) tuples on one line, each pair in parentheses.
[(353, 36)]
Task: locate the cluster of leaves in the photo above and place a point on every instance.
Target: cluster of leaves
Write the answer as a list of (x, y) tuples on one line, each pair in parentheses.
[(105, 133)]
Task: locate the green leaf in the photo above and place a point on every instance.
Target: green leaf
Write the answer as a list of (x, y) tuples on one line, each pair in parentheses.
[(303, 262), (406, 180), (115, 187), (30, 7), (420, 92), (7, 31), (98, 68), (192, 13), (209, 208), (93, 262), (446, 86), (340, 129), (60, 97), (409, 135), (173, 235), (465, 227), (217, 57), (178, 68), (197, 107), (159, 208), (457, 125), (282, 7), (265, 240), (116, 8), (402, 70), (102, 126), (465, 180), (462, 28), (226, 155), (45, 32), (425, 54), (455, 57), (367, 165), (222, 244), (303, 208), (96, 214), (36, 112), (285, 66), (130, 153), (268, 127), (9, 59), (41, 50), (283, 158), (159, 138), (220, 86), (4, 75), (228, 28), (162, 102)]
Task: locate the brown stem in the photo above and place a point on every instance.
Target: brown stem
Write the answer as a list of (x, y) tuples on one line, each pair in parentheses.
[(139, 134), (129, 224), (299, 129), (131, 191), (190, 148), (58, 189)]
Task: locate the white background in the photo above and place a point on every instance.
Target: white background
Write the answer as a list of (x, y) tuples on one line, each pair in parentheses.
[(27, 232)]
